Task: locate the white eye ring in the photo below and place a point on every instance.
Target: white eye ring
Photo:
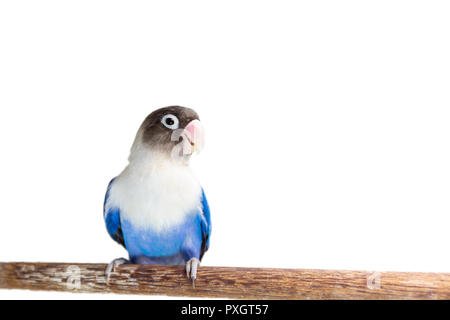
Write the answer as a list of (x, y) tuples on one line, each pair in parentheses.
[(170, 121)]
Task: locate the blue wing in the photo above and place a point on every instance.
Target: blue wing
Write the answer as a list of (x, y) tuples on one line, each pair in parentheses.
[(112, 219), (205, 225)]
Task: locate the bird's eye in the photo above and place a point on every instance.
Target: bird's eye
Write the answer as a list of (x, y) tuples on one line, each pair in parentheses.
[(170, 121)]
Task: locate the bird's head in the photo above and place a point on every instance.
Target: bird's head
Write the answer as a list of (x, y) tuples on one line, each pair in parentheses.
[(175, 131)]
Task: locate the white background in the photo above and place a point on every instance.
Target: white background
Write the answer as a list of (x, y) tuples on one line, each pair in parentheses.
[(328, 137)]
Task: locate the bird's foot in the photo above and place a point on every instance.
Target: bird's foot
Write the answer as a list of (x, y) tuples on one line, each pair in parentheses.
[(112, 267), (191, 269)]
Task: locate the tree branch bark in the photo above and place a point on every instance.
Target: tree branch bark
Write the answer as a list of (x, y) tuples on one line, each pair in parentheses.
[(226, 282)]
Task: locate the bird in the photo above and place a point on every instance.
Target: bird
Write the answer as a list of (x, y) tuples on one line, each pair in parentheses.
[(156, 208)]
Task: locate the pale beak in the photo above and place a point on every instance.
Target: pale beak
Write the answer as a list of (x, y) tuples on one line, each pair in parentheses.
[(195, 134)]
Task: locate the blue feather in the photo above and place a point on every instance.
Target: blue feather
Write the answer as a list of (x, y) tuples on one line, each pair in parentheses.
[(206, 222), (176, 245), (112, 219)]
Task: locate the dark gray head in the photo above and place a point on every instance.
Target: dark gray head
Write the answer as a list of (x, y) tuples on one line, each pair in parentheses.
[(164, 129)]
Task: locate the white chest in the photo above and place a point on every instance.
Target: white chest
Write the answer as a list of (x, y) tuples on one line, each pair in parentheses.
[(157, 196)]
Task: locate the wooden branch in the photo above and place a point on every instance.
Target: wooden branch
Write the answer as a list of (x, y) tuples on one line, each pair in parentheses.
[(225, 282)]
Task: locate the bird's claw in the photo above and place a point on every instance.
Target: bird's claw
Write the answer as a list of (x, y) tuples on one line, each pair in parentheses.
[(112, 267), (191, 270)]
